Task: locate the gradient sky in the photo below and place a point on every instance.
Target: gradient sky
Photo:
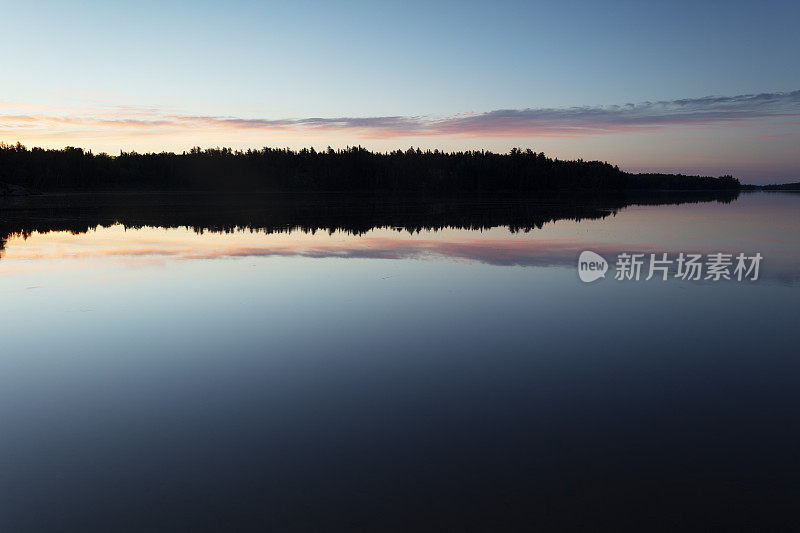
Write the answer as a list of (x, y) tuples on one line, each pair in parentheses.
[(624, 82)]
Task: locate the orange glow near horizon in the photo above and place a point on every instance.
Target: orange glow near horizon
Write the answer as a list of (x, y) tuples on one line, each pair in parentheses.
[(743, 139)]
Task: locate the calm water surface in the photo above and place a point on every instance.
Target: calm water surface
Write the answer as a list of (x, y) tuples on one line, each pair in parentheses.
[(448, 379)]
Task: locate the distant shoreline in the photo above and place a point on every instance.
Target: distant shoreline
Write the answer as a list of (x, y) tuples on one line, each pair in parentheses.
[(785, 187)]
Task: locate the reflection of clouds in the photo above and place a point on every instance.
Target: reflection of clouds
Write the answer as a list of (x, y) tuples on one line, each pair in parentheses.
[(493, 250), (144, 247)]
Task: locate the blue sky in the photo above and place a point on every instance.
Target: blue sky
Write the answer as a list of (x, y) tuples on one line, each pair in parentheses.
[(84, 73)]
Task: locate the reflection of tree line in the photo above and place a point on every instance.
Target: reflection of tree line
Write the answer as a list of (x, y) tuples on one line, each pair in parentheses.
[(284, 213)]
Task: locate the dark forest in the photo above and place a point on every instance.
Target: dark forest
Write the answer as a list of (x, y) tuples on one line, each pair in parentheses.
[(345, 170)]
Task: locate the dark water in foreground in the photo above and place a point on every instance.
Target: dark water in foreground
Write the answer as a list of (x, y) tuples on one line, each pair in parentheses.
[(455, 377)]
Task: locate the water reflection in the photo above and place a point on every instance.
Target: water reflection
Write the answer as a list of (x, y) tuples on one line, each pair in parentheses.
[(545, 232), (311, 213), (240, 375)]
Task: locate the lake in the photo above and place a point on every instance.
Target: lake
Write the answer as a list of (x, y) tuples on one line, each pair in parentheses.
[(190, 363)]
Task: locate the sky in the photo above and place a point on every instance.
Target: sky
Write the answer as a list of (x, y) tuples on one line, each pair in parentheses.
[(694, 87)]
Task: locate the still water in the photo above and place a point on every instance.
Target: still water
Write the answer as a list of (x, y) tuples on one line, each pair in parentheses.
[(395, 368)]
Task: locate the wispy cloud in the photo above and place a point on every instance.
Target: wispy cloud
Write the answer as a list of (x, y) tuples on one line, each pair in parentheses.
[(530, 122)]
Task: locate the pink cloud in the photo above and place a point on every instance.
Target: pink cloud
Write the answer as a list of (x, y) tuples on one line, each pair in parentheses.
[(531, 122)]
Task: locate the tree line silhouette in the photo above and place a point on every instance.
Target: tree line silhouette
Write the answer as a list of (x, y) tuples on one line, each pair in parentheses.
[(344, 170)]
